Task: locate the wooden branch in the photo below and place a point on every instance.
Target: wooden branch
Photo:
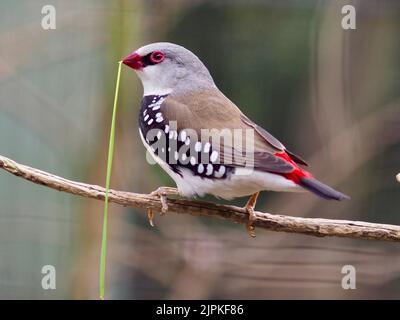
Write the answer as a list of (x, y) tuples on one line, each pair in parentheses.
[(309, 226)]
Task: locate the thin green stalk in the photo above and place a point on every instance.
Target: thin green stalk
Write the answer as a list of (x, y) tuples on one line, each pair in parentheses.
[(109, 166)]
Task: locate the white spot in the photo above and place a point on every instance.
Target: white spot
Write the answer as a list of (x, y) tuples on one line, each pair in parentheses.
[(162, 150), (159, 119), (200, 168), (176, 155), (207, 147), (146, 117), (166, 128), (214, 156), (158, 114), (175, 135), (209, 169), (220, 172), (197, 146), (187, 142), (159, 136), (184, 156), (150, 122), (169, 149), (144, 112), (193, 161), (171, 134), (182, 135), (156, 104)]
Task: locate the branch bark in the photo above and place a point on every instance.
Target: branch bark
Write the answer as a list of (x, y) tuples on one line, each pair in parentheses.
[(309, 226)]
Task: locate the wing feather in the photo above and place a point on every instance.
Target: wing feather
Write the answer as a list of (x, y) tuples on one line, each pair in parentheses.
[(249, 144)]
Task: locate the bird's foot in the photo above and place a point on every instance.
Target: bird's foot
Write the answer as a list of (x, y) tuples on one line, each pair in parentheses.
[(252, 215), (162, 193)]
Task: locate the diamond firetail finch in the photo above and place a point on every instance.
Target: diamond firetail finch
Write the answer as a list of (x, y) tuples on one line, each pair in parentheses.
[(180, 101)]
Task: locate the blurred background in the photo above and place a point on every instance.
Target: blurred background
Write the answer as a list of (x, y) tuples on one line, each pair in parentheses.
[(331, 95)]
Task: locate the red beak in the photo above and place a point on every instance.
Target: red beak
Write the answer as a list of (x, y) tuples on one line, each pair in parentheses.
[(134, 61)]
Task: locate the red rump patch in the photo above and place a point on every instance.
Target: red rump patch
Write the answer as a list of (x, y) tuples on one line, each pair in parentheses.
[(297, 173)]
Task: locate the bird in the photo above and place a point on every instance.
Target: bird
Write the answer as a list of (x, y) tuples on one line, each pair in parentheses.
[(203, 141)]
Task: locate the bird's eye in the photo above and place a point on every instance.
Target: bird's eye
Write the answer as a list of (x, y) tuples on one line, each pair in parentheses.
[(157, 57)]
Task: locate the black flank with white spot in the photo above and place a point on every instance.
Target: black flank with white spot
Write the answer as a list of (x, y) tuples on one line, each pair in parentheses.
[(176, 148)]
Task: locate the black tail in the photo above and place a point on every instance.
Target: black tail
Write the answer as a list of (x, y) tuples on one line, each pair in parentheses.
[(322, 190)]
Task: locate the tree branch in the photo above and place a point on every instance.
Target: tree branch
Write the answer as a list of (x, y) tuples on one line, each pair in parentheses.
[(309, 226)]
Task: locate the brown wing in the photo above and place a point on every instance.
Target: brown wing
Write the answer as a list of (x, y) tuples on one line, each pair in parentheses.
[(246, 146), (272, 140)]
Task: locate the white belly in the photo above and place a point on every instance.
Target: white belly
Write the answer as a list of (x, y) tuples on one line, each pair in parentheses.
[(236, 185)]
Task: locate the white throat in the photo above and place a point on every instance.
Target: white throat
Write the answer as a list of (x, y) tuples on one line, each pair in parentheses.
[(152, 85), (150, 88)]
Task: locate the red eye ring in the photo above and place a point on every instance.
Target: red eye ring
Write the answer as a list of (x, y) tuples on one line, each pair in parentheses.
[(157, 57)]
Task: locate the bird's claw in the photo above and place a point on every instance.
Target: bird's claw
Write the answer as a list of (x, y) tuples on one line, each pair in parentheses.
[(150, 216)]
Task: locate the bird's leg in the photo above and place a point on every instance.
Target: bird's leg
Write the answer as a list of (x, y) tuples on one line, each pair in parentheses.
[(251, 203), (162, 193)]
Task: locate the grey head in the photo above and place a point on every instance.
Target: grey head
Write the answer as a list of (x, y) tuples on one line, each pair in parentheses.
[(165, 68)]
